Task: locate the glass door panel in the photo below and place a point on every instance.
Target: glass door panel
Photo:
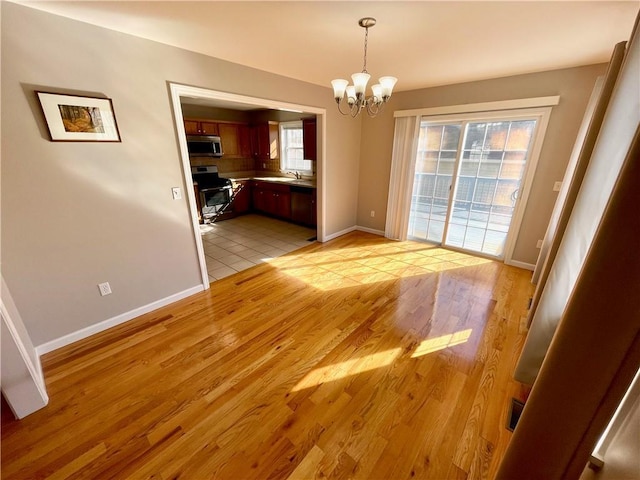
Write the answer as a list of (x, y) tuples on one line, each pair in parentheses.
[(489, 175), (435, 164), (464, 193)]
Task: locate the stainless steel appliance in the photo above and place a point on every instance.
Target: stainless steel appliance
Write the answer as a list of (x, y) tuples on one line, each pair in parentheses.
[(204, 146), (214, 192)]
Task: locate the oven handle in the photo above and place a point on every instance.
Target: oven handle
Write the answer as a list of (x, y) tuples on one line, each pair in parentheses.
[(215, 189)]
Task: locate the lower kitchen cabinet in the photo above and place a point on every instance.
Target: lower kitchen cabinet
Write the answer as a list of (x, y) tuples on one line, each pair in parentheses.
[(303, 205), (262, 197), (287, 202), (283, 205), (272, 198), (242, 197)]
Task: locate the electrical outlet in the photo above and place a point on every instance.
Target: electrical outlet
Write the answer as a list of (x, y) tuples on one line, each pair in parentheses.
[(557, 186), (176, 193), (539, 244), (105, 288), (373, 213)]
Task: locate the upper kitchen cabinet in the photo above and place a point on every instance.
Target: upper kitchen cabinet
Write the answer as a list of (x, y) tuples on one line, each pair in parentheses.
[(310, 145), (235, 140), (234, 136), (265, 140), (193, 126), (244, 142), (229, 137)]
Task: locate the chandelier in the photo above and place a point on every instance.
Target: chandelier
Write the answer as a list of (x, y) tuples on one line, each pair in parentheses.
[(356, 98)]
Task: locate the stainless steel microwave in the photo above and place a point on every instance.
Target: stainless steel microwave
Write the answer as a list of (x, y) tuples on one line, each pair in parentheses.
[(204, 146)]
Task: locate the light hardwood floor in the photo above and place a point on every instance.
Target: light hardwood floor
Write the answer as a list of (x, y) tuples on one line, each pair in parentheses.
[(357, 358)]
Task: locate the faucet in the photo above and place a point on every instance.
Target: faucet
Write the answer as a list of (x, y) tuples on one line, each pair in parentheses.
[(297, 174)]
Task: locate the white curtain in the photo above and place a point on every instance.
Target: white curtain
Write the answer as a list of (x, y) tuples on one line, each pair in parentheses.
[(561, 201), (618, 128), (403, 161), (574, 174)]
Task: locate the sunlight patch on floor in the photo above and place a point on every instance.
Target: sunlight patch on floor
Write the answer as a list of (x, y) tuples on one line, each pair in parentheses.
[(347, 368), (350, 267), (431, 345), (373, 361)]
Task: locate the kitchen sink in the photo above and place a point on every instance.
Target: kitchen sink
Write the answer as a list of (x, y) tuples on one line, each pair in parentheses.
[(288, 180)]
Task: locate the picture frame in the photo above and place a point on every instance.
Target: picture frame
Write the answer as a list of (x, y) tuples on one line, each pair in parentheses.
[(74, 118)]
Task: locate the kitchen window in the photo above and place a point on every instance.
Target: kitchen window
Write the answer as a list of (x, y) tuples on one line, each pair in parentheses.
[(292, 148)]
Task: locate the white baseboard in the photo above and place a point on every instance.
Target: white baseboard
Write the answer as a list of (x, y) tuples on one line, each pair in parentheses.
[(113, 321), (340, 233), (353, 229), (370, 230), (526, 266)]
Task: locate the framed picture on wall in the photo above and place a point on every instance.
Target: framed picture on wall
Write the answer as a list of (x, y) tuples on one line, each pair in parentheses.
[(73, 118)]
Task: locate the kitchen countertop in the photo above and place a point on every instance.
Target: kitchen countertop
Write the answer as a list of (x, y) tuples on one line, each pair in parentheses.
[(286, 180)]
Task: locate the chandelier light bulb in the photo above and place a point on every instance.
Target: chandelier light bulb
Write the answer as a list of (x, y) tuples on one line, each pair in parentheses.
[(339, 87), (387, 84), (360, 81), (377, 92)]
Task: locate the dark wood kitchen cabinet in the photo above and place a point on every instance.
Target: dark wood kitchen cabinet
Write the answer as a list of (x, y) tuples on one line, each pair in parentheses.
[(236, 142), (261, 201), (309, 135), (283, 205), (272, 199), (195, 126), (303, 205), (265, 140), (244, 141), (242, 197), (263, 198), (230, 138)]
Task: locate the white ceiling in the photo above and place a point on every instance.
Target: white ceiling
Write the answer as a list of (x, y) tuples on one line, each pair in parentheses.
[(422, 43)]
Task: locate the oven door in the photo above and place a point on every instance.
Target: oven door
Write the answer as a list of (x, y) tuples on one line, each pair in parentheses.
[(214, 200)]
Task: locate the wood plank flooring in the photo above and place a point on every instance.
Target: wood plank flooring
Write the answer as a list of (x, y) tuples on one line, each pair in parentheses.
[(357, 358)]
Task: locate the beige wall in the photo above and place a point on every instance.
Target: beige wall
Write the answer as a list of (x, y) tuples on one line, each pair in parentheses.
[(77, 214), (574, 86)]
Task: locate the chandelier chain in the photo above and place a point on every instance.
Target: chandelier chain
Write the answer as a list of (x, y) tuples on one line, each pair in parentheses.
[(366, 38)]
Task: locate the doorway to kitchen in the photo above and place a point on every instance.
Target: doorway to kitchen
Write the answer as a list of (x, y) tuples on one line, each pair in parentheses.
[(234, 245), (469, 177), (180, 93)]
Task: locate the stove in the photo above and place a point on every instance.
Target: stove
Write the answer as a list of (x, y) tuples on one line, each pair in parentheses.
[(214, 192)]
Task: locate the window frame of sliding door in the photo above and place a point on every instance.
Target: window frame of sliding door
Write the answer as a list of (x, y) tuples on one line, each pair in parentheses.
[(541, 115)]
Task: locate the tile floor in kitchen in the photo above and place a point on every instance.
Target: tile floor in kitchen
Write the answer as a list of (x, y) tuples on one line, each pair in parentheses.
[(242, 242)]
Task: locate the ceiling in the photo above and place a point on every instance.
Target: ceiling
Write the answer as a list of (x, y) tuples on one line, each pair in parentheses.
[(422, 43)]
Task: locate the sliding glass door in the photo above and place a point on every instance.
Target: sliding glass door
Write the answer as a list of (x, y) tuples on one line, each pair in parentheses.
[(468, 177), (437, 153)]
